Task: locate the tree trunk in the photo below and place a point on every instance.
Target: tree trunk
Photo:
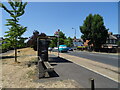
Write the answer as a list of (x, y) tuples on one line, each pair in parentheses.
[(15, 54)]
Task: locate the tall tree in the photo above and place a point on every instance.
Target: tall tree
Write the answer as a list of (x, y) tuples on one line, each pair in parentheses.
[(68, 41), (94, 30), (62, 37), (13, 36)]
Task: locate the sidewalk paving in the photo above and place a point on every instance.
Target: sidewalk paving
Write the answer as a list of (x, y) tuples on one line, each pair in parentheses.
[(108, 71), (67, 70)]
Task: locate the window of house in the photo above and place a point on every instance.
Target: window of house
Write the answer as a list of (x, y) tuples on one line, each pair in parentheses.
[(114, 41), (107, 41), (110, 41)]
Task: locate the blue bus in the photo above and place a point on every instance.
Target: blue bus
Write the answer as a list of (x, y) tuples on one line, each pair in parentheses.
[(63, 48)]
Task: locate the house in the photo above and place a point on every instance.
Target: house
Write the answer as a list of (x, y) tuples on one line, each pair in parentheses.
[(86, 43), (111, 41), (77, 42), (118, 36)]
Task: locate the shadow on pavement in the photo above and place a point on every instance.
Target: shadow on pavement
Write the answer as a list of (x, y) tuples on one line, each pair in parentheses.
[(53, 74), (58, 60)]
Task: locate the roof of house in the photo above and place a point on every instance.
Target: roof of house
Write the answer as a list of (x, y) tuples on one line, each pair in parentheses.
[(117, 35), (111, 36)]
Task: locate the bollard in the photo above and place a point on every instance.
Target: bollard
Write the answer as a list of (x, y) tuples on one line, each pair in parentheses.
[(92, 84)]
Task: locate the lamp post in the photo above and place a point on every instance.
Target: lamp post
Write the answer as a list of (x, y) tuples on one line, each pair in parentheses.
[(75, 32), (75, 36)]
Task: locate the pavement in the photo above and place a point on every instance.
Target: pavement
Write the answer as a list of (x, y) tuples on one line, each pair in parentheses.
[(105, 70), (68, 70)]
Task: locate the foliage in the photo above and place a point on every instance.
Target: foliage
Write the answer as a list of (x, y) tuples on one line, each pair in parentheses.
[(68, 42), (94, 30), (118, 43), (13, 36), (53, 43), (32, 42), (62, 40)]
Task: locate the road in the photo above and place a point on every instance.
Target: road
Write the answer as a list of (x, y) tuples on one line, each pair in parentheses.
[(95, 65), (66, 69), (102, 58)]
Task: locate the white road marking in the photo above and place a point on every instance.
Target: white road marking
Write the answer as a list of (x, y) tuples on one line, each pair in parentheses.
[(98, 73)]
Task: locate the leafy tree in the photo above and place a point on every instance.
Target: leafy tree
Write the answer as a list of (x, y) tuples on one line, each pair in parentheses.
[(15, 29), (118, 43), (94, 30), (68, 42), (53, 43), (32, 42), (62, 37)]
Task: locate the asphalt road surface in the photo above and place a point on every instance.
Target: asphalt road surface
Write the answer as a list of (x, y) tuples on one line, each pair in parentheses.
[(103, 58), (65, 69)]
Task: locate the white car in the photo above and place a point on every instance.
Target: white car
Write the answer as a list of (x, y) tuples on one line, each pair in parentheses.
[(55, 49), (49, 49)]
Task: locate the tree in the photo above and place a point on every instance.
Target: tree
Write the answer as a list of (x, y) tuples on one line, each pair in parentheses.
[(53, 43), (32, 42), (13, 36), (118, 43), (94, 30), (68, 42), (62, 37)]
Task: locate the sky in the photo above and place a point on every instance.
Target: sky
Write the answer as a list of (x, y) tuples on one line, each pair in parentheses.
[(48, 17)]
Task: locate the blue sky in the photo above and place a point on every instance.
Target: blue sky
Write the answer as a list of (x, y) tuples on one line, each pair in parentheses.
[(48, 17)]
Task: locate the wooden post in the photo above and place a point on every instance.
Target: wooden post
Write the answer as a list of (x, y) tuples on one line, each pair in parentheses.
[(92, 84), (38, 47), (15, 54)]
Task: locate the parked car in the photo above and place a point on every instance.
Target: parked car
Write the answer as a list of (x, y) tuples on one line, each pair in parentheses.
[(70, 49), (63, 48), (49, 49), (55, 49)]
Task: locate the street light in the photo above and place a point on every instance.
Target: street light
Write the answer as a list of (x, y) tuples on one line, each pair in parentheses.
[(75, 38), (75, 32)]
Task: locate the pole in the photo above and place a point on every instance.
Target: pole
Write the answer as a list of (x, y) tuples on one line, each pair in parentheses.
[(75, 39), (75, 33), (58, 42), (38, 48), (15, 53), (92, 84)]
